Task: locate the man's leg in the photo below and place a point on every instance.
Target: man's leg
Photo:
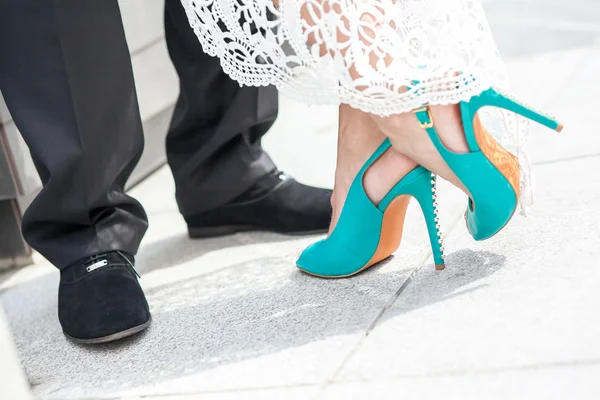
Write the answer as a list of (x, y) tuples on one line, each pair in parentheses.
[(217, 125), (65, 74), (214, 148)]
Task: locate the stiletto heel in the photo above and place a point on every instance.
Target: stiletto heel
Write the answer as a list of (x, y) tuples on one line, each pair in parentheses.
[(489, 172), (493, 97), (426, 195), (367, 234)]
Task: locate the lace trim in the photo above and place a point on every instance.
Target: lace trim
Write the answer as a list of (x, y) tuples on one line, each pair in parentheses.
[(381, 56)]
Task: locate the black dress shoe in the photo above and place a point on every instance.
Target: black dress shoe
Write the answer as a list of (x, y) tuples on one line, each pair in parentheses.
[(100, 299), (276, 203)]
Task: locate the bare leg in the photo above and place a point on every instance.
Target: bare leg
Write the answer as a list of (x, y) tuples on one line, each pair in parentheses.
[(358, 138), (407, 137), (410, 139)]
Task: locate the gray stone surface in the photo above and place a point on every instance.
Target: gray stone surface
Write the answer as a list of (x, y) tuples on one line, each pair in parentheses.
[(292, 393), (13, 383), (526, 299), (221, 308), (558, 383), (513, 317)]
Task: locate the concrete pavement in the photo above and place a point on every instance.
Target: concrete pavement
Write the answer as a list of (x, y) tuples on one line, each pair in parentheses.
[(514, 317), (13, 383)]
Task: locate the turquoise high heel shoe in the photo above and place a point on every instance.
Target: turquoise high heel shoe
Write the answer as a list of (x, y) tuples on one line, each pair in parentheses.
[(489, 172), (367, 234)]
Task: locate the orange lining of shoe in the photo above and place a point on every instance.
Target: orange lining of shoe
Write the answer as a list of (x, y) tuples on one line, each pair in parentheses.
[(391, 229), (503, 160), (390, 236), (393, 218)]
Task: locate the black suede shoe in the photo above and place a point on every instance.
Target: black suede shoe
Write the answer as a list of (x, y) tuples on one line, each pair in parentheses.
[(276, 203), (100, 299)]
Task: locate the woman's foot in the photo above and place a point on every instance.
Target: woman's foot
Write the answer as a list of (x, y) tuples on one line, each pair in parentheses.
[(358, 138), (408, 137)]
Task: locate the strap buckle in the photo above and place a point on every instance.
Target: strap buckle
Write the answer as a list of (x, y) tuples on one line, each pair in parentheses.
[(428, 123)]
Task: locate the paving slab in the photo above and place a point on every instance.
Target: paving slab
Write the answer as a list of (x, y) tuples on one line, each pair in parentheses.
[(575, 104), (527, 297), (513, 317), (248, 324), (557, 383), (229, 313), (294, 393), (13, 383), (552, 50)]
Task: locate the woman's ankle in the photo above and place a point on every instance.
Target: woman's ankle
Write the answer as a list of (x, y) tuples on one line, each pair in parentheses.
[(408, 137), (378, 180), (405, 129), (385, 173), (358, 139)]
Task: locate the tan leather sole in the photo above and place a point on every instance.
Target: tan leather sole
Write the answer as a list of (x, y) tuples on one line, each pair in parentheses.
[(503, 160), (113, 337), (506, 162)]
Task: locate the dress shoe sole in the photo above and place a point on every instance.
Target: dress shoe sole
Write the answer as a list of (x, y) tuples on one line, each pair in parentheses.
[(114, 336), (217, 231)]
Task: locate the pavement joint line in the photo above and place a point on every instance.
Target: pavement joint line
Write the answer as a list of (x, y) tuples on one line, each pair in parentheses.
[(562, 25), (149, 45), (458, 372), (486, 371), (135, 396), (390, 303), (565, 159), (456, 219)]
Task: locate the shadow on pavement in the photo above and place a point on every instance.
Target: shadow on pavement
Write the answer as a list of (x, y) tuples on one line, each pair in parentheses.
[(240, 312), (179, 249), (464, 268)]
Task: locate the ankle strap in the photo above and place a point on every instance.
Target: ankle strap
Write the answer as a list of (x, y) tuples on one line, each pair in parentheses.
[(424, 117)]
